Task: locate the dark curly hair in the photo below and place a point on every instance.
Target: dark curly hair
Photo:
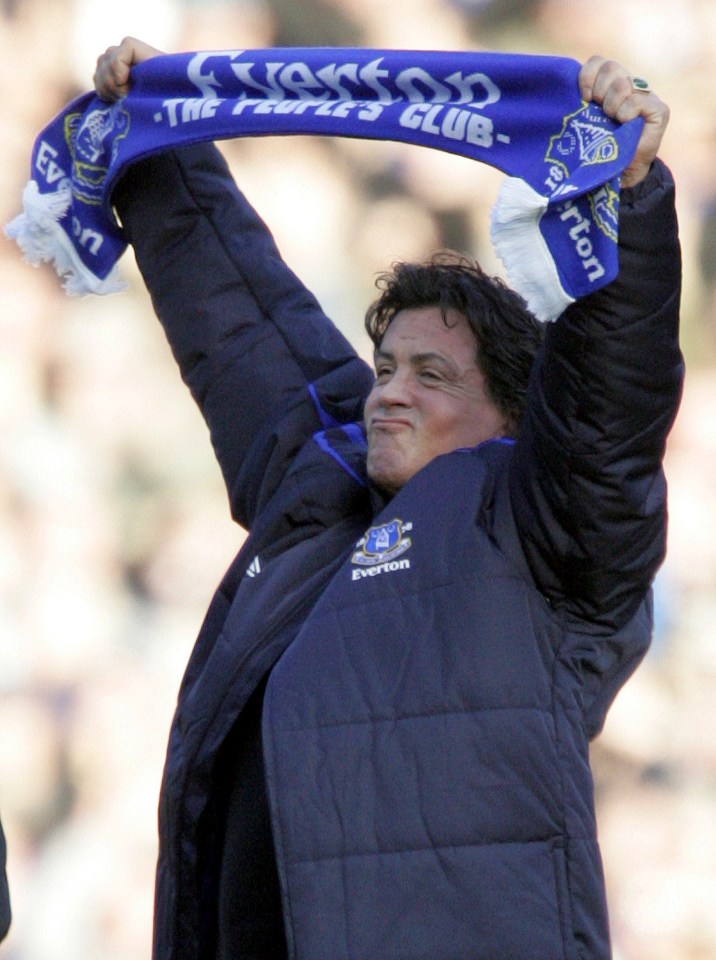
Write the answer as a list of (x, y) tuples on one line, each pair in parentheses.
[(508, 335)]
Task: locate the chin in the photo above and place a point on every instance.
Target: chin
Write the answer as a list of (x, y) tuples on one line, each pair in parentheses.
[(386, 483), (387, 479), (389, 476)]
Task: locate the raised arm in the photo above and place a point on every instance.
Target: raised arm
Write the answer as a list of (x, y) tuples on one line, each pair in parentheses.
[(588, 490), (263, 362)]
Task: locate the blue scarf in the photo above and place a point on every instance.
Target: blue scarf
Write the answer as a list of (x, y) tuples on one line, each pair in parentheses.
[(555, 221)]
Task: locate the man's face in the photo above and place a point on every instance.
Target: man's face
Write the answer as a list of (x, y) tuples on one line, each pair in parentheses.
[(429, 396)]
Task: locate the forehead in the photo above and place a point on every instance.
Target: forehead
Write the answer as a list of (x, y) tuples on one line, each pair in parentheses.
[(427, 330)]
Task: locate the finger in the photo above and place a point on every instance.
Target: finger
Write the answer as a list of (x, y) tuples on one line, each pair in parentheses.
[(112, 76), (611, 83), (588, 74), (108, 80), (656, 117), (621, 102), (119, 74)]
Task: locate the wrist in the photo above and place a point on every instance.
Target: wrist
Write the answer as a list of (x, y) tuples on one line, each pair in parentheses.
[(634, 175)]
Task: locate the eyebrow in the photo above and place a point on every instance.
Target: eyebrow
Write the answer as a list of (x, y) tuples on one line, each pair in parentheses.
[(418, 359)]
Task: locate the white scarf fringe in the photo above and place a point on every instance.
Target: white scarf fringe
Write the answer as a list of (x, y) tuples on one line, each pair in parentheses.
[(518, 242), (38, 234)]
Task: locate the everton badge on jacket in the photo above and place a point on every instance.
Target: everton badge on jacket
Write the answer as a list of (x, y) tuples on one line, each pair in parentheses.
[(378, 551)]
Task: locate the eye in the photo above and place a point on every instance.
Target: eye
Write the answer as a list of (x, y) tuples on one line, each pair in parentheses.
[(428, 375), (382, 372)]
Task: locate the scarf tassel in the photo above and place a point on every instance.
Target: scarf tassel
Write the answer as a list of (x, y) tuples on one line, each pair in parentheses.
[(38, 233), (519, 243)]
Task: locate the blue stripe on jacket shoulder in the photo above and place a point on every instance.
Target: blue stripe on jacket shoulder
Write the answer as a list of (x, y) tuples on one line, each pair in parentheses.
[(347, 446), (327, 419)]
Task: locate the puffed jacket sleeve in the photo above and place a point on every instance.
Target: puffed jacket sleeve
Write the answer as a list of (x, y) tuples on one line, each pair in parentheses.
[(587, 486), (263, 362)]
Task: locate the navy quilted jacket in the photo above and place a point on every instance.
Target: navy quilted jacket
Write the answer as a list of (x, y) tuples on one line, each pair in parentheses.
[(438, 661)]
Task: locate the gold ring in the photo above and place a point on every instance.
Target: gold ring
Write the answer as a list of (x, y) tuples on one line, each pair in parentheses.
[(640, 85)]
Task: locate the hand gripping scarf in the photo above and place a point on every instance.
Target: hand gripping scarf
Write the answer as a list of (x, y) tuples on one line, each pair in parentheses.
[(555, 221)]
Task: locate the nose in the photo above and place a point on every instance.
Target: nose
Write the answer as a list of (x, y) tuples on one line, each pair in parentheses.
[(394, 390)]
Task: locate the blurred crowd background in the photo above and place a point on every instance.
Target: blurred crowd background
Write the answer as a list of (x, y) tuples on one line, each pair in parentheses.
[(114, 527)]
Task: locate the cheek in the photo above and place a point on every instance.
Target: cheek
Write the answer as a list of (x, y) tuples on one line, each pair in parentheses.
[(369, 405), (468, 424)]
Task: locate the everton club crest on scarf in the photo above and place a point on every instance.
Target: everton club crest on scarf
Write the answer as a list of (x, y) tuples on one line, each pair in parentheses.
[(555, 220)]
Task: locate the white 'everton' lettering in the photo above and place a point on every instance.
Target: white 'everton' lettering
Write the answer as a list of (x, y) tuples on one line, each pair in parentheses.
[(280, 80), (579, 234), (410, 81), (389, 567), (207, 83), (371, 75), (46, 165), (332, 76), (90, 240)]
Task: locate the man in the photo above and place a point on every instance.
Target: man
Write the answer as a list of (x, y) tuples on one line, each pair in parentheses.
[(380, 748)]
